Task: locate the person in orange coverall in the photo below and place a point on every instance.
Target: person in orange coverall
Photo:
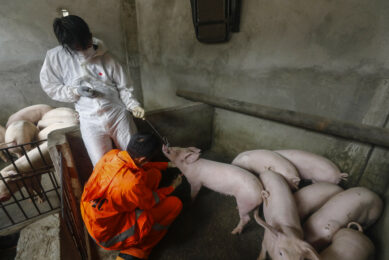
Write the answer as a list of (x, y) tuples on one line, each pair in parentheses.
[(122, 206)]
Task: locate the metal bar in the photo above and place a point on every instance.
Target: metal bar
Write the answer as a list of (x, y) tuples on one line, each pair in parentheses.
[(20, 190), (12, 160), (12, 203), (163, 138), (359, 132), (31, 196), (52, 174), (71, 207), (43, 158), (14, 228), (28, 158), (43, 190), (55, 185), (13, 196), (6, 213), (18, 145)]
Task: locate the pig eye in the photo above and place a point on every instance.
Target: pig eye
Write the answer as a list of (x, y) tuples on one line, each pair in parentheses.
[(280, 253)]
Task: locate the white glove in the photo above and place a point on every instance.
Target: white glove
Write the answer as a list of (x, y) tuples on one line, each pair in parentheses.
[(138, 112)]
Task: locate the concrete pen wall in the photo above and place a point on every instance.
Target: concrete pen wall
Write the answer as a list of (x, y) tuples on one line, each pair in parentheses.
[(324, 58)]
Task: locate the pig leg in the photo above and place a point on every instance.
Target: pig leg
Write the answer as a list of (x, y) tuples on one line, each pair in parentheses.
[(194, 189), (244, 209), (37, 188), (262, 255), (3, 156)]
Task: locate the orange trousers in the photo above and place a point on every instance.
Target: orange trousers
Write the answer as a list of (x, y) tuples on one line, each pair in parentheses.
[(164, 213)]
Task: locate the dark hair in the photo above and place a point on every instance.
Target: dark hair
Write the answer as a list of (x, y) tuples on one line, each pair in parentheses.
[(71, 32), (142, 145)]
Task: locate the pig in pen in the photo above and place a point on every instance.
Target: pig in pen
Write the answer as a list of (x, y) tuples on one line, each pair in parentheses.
[(28, 186)]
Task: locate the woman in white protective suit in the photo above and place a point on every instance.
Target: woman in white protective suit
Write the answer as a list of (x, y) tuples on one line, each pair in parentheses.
[(81, 70)]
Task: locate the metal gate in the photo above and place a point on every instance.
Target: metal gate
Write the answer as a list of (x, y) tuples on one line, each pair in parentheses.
[(29, 189)]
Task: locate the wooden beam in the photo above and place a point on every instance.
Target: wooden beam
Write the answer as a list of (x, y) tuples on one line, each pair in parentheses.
[(358, 132)]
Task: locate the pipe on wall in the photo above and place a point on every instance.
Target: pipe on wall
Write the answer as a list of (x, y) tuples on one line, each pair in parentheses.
[(358, 132)]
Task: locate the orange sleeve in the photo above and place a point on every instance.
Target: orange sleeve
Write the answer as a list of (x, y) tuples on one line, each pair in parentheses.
[(144, 198), (158, 165)]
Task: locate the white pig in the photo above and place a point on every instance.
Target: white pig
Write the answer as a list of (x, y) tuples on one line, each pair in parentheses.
[(11, 175), (60, 112), (283, 232), (224, 178), (42, 124), (46, 131), (314, 167), (261, 160), (31, 113), (312, 197), (59, 115), (20, 132), (2, 144), (349, 244), (355, 204)]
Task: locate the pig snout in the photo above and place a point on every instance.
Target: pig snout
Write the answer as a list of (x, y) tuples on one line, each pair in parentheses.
[(4, 197), (4, 193)]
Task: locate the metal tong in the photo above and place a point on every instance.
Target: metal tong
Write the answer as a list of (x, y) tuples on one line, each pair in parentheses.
[(163, 138)]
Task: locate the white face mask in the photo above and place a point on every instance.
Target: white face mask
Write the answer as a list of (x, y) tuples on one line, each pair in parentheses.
[(87, 53)]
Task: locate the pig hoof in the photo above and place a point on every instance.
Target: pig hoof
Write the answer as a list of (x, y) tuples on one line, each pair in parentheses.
[(236, 231)]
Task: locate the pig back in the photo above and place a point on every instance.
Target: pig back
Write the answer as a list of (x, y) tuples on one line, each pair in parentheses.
[(349, 244), (313, 167), (279, 208), (355, 204), (261, 160), (31, 113), (60, 112), (224, 178), (312, 197)]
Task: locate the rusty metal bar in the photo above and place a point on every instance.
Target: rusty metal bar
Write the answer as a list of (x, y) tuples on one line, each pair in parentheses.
[(358, 132), (70, 206)]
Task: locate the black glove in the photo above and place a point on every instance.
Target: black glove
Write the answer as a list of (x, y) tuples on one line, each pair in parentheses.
[(86, 91)]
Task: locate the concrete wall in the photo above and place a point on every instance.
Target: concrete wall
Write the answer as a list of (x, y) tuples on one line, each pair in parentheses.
[(326, 58), (26, 34)]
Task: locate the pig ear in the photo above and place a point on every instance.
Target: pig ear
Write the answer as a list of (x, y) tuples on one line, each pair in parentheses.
[(194, 149), (191, 157), (266, 226), (309, 251)]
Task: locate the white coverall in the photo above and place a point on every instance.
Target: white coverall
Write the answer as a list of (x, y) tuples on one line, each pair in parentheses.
[(104, 116)]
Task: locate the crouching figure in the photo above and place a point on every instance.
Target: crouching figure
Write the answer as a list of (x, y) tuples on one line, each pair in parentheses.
[(122, 206)]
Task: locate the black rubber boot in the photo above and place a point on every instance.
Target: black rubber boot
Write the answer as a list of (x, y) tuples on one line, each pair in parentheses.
[(127, 257)]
